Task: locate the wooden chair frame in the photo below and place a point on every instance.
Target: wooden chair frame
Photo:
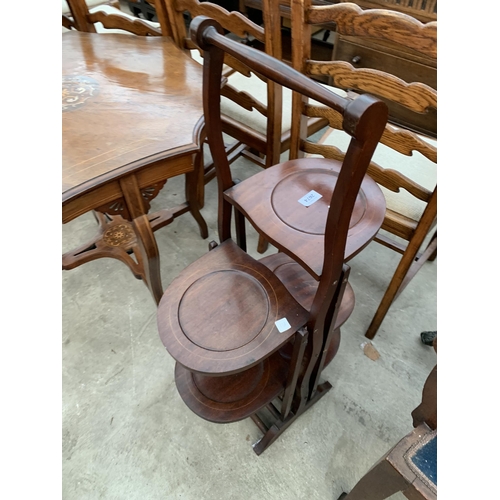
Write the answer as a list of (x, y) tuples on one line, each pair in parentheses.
[(389, 27)]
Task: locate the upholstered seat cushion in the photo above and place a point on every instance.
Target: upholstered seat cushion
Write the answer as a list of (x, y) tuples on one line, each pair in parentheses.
[(415, 167), (422, 459), (254, 86)]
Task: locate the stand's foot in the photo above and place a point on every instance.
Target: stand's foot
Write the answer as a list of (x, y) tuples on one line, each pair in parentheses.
[(279, 426)]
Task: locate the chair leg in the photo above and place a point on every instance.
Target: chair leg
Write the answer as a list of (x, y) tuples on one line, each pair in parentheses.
[(399, 281), (263, 244), (380, 482), (434, 254)]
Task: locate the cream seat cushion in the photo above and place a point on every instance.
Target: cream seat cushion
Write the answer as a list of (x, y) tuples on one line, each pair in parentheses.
[(416, 167), (254, 86)]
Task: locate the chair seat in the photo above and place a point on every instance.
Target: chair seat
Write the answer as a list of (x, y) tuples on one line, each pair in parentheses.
[(257, 88), (270, 201), (416, 167), (422, 459), (219, 316)]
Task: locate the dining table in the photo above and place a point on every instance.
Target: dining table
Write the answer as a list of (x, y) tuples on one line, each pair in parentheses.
[(132, 118)]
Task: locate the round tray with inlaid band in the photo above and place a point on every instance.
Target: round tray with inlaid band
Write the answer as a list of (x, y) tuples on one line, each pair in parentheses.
[(289, 204), (223, 313), (234, 397)]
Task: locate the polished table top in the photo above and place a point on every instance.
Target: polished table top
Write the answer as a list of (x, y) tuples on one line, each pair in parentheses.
[(125, 105), (132, 117)]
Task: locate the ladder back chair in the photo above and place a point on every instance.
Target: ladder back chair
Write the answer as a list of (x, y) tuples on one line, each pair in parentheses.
[(404, 164), (251, 337), (252, 106), (117, 153)]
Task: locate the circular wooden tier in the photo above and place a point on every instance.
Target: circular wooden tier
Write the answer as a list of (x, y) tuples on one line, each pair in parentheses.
[(234, 397), (218, 317), (269, 200), (303, 288), (231, 398)]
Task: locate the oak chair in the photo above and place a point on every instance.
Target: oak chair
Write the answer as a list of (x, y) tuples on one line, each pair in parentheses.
[(404, 164), (250, 337), (252, 106), (411, 465), (116, 217)]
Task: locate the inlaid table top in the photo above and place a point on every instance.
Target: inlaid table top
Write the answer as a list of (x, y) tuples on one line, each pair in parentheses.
[(132, 117), (127, 102)]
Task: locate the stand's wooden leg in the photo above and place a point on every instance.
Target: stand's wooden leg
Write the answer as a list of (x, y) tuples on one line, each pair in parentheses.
[(276, 429), (262, 245), (239, 222), (299, 347)]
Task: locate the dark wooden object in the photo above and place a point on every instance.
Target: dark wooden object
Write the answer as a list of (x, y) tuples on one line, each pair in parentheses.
[(409, 467), (411, 34), (221, 318), (120, 93)]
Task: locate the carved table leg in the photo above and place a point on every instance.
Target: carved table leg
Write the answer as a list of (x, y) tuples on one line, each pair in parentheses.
[(119, 238), (148, 256)]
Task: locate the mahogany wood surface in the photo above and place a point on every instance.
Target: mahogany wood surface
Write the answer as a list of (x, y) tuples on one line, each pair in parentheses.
[(119, 95), (132, 118), (221, 317), (270, 201), (218, 316)]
